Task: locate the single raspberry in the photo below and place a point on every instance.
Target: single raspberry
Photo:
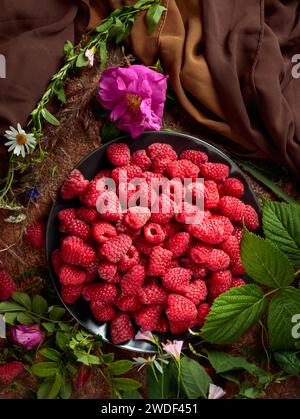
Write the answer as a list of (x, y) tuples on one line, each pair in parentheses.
[(197, 291), (73, 185), (237, 282), (238, 233), (7, 286), (103, 231), (56, 261), (157, 149), (177, 328), (92, 192), (107, 271), (76, 252), (211, 194), (109, 207), (143, 246), (182, 169), (153, 294), (200, 253), (128, 303), (203, 311), (250, 217), (123, 228), (129, 260), (232, 208), (159, 261), (147, 317), (140, 158), (132, 280), (195, 156), (237, 267), (76, 228), (118, 154), (160, 163), (219, 282), (218, 260), (71, 293), (179, 244), (162, 210), (231, 246), (233, 187), (121, 329), (67, 215), (71, 275), (154, 233), (92, 271), (35, 234), (87, 214), (126, 174), (177, 279), (228, 226), (102, 312), (214, 171), (180, 309), (137, 217), (113, 249), (211, 231), (103, 292), (162, 325), (104, 173), (10, 371)]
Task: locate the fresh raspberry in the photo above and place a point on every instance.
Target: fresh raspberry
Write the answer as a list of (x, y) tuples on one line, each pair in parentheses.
[(237, 282), (153, 294), (67, 215), (238, 233), (211, 231), (137, 217), (159, 261), (107, 271), (87, 214), (109, 207), (92, 271), (162, 210), (250, 217), (158, 149), (71, 293), (103, 231), (104, 173), (102, 312), (231, 246), (237, 267), (152, 177), (147, 317), (103, 292), (232, 208), (154, 233), (203, 311), (139, 193), (113, 249), (73, 185), (56, 261), (35, 234), (200, 253), (179, 244), (140, 158), (76, 228), (76, 252), (92, 192), (143, 246), (7, 286), (10, 371), (177, 328), (214, 171), (182, 169), (218, 260), (123, 228), (198, 271), (118, 154), (174, 263), (132, 280), (228, 226), (189, 214), (129, 260), (128, 303), (71, 275), (219, 282), (197, 291), (171, 229), (159, 164), (162, 325), (117, 278), (126, 174), (121, 329), (177, 279), (232, 187), (180, 309), (195, 156), (211, 194)]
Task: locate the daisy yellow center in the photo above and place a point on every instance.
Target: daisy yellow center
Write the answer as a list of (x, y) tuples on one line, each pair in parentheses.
[(21, 139), (134, 102)]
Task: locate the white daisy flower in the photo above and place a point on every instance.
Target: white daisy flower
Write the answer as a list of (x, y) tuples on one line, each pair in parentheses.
[(19, 141)]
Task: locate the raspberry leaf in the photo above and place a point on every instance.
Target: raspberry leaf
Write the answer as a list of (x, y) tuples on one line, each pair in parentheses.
[(281, 223), (194, 379), (289, 362), (283, 329), (39, 305), (23, 299), (265, 262), (233, 313)]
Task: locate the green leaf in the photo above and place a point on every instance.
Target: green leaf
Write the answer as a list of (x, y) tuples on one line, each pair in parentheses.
[(140, 3), (49, 327), (23, 299), (154, 15), (68, 48), (66, 388), (44, 369), (49, 117), (125, 384), (132, 395), (44, 390), (233, 313), (104, 26), (62, 340), (102, 54), (108, 358), (281, 223), (195, 380), (7, 306), (289, 362), (81, 60), (56, 313), (51, 354), (110, 132), (23, 318), (55, 389), (85, 358), (265, 262), (39, 305), (120, 367), (283, 307), (166, 382), (247, 390), (64, 327), (10, 318), (58, 89)]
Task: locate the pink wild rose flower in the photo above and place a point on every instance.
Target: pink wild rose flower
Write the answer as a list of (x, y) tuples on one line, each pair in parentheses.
[(28, 336), (136, 97)]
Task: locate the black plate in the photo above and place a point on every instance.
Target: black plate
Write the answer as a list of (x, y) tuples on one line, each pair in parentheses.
[(90, 166)]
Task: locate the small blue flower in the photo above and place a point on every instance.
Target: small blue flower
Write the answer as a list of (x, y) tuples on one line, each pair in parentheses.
[(33, 192)]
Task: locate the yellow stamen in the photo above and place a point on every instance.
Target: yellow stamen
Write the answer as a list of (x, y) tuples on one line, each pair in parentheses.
[(21, 139), (134, 102)]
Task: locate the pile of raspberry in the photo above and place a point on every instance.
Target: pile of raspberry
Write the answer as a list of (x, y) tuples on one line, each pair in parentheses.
[(151, 270)]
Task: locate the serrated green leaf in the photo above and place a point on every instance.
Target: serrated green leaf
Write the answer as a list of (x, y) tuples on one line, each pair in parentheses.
[(81, 60), (194, 379), (39, 305), (22, 299), (62, 340), (233, 313), (10, 318), (51, 354), (289, 362), (281, 223), (283, 307), (49, 327), (120, 367), (153, 16), (265, 262), (44, 390), (49, 117), (44, 369), (56, 313), (24, 318), (125, 384), (7, 306), (102, 54)]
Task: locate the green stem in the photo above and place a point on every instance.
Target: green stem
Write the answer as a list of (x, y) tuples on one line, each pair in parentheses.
[(179, 377), (297, 273), (271, 292), (263, 334)]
